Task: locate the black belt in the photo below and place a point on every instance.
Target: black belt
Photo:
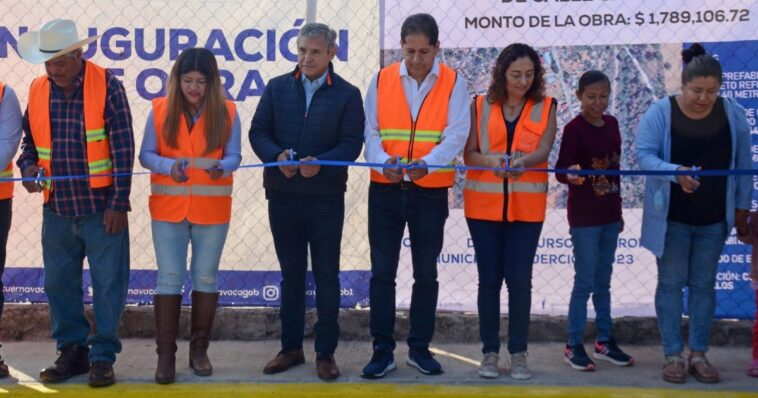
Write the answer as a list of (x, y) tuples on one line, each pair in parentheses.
[(408, 186)]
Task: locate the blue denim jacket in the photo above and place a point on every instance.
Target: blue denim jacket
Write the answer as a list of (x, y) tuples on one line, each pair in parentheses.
[(654, 153)]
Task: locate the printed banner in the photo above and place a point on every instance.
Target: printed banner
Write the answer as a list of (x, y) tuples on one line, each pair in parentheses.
[(548, 23), (638, 45), (139, 42)]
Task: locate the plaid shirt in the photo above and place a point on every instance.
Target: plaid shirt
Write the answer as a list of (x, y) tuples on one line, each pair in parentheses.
[(75, 198)]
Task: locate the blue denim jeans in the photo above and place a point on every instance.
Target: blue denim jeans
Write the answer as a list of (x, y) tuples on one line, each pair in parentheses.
[(65, 243), (299, 223), (390, 208), (594, 252), (504, 251), (171, 240), (690, 259)]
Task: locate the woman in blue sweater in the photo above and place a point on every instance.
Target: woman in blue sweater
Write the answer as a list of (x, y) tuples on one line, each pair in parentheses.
[(686, 218)]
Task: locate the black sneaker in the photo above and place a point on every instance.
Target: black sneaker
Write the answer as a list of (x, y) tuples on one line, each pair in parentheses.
[(382, 362), (73, 360), (577, 358), (101, 374), (4, 372), (424, 361), (609, 351)]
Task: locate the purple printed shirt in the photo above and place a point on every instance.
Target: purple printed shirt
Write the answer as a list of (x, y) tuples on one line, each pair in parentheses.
[(598, 200)]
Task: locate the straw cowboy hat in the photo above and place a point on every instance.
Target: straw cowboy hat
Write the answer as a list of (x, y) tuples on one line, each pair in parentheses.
[(54, 39)]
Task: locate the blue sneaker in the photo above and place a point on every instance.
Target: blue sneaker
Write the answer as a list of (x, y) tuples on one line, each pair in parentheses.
[(382, 362), (577, 358), (424, 361), (610, 351)]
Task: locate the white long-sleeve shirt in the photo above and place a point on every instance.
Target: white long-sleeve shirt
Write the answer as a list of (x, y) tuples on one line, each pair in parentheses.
[(454, 135)]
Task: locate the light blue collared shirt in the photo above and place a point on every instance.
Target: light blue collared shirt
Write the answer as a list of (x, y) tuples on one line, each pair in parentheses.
[(311, 87), (10, 127)]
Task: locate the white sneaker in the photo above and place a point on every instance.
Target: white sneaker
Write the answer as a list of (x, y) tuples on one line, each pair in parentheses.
[(488, 369), (519, 368)]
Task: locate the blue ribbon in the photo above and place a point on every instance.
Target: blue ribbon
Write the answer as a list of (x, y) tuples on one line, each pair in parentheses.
[(339, 163)]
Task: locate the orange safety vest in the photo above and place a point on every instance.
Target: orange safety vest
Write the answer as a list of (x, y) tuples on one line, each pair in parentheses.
[(483, 191), (98, 147), (411, 140), (199, 199), (6, 188)]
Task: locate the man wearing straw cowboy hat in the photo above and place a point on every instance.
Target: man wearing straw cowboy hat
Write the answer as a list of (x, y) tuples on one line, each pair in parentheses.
[(78, 123)]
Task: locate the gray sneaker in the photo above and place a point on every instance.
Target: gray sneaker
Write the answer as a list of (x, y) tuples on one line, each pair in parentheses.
[(488, 369), (519, 368)]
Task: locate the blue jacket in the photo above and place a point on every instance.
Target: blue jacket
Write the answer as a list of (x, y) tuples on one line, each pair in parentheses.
[(332, 129), (654, 153)]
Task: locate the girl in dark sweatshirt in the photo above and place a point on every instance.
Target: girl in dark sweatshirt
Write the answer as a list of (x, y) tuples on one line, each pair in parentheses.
[(592, 141)]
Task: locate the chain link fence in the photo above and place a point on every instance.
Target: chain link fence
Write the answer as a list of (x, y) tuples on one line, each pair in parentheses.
[(254, 42)]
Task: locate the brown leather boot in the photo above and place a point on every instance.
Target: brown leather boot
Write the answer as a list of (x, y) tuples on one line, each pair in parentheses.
[(203, 312), (167, 308)]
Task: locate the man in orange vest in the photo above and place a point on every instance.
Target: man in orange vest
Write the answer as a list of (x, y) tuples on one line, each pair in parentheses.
[(10, 135), (78, 123), (417, 114)]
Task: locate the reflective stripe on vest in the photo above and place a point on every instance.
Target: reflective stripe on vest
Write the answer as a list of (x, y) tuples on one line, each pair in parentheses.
[(100, 166), (95, 135), (405, 135), (522, 186), (515, 186), (484, 143), (6, 188), (94, 90), (43, 153), (483, 190), (199, 200), (202, 190), (409, 139)]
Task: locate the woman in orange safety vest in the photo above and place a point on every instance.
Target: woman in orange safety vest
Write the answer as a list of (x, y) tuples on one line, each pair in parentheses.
[(512, 125), (192, 146)]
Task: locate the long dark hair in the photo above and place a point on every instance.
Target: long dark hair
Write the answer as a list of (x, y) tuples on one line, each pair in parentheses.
[(217, 119), (496, 93)]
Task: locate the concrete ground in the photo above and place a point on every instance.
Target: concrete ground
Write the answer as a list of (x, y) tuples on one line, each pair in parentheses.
[(243, 361), (248, 338)]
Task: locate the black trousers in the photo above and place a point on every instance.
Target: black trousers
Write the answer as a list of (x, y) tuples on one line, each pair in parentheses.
[(299, 223), (6, 209)]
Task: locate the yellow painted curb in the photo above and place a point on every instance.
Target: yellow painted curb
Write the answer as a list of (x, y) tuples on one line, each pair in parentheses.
[(378, 390)]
